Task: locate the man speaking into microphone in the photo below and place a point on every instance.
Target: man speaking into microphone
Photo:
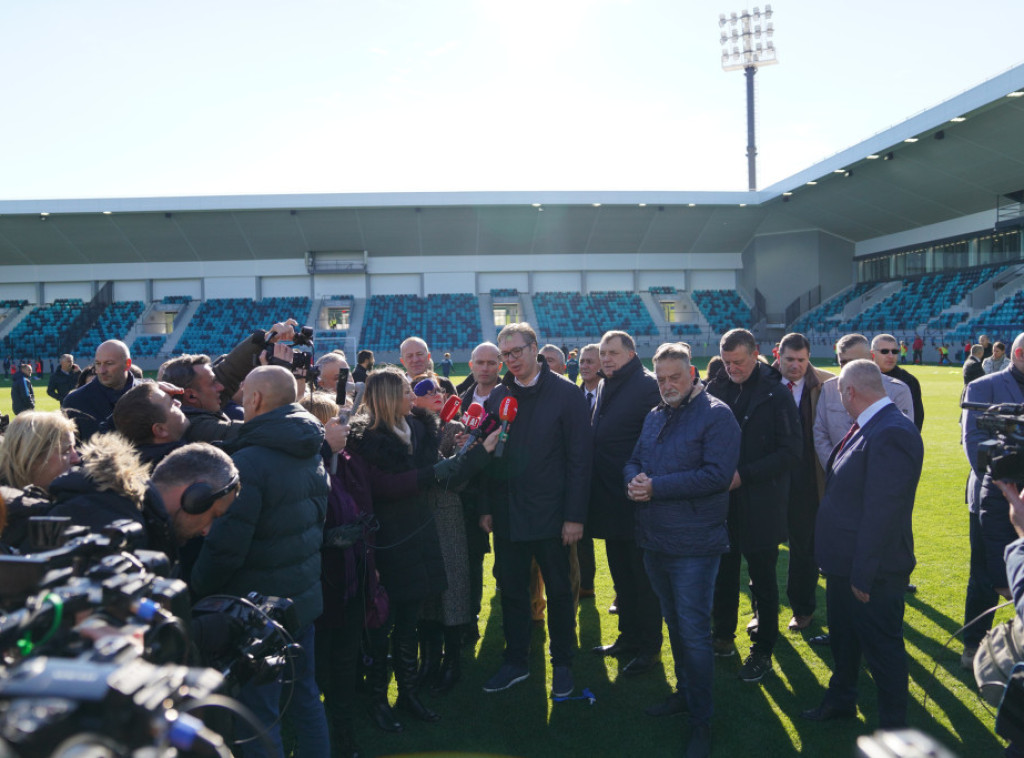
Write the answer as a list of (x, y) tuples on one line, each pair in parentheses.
[(534, 499)]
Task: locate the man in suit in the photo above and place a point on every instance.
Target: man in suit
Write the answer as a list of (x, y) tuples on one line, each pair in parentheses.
[(989, 513), (864, 544), (627, 394), (590, 365), (807, 480), (973, 367)]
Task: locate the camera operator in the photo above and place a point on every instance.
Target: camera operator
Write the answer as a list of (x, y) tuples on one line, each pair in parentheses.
[(989, 513), (208, 386), (269, 541), (37, 448), (152, 420), (90, 405)]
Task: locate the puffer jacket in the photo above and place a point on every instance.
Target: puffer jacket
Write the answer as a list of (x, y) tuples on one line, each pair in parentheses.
[(269, 540), (690, 453)]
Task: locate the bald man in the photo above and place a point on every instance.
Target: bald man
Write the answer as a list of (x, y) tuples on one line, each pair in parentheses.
[(864, 543), (269, 540), (90, 406)]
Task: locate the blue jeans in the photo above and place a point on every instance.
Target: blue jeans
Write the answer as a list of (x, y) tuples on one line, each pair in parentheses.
[(305, 710), (685, 586)]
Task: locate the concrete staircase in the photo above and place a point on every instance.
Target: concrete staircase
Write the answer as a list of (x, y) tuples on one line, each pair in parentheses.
[(487, 317), (355, 328), (8, 324), (180, 323)]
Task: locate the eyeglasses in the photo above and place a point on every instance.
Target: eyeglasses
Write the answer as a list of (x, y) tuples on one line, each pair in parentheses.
[(513, 354), (889, 351)]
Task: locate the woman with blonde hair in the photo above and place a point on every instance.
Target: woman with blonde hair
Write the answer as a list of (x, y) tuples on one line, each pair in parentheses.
[(37, 447)]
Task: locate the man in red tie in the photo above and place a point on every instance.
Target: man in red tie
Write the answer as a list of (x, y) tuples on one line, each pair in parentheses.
[(807, 480)]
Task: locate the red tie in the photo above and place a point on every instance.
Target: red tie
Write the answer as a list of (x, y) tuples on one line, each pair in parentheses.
[(844, 440), (791, 386)]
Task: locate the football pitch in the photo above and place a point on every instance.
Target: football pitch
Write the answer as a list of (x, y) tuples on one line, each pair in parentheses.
[(756, 720)]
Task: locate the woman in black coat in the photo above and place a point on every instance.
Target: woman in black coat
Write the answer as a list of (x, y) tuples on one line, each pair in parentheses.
[(389, 436)]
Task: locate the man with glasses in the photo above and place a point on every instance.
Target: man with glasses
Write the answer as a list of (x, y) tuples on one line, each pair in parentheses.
[(885, 352), (534, 499)]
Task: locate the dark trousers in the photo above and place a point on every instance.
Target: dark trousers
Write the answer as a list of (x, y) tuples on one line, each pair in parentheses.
[(875, 630), (981, 595), (803, 569), (477, 545), (639, 610), (512, 565), (588, 565), (764, 593), (337, 664)]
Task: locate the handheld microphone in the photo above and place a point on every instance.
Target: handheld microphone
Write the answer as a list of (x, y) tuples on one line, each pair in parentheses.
[(472, 418), (488, 425), (450, 409), (507, 411), (340, 393)]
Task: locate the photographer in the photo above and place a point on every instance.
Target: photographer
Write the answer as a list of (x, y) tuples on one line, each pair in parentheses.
[(269, 540), (37, 448), (207, 387), (989, 512)]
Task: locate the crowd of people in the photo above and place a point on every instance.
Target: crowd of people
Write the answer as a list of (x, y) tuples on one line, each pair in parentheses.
[(370, 501)]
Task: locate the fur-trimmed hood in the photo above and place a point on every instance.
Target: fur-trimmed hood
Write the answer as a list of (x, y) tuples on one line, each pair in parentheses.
[(109, 464), (382, 448)]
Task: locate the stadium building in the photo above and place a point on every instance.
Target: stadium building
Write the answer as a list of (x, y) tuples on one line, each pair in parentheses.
[(916, 230)]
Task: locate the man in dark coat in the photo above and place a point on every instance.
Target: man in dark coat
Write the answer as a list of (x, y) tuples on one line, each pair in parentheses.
[(152, 420), (885, 352), (770, 448), (269, 540), (64, 379), (535, 501), (626, 395), (23, 397), (865, 547), (973, 368), (90, 406)]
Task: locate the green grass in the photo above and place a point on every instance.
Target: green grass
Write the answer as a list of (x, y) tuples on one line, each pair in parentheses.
[(756, 720)]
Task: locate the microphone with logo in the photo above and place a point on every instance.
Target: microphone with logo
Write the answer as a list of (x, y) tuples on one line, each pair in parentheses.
[(507, 411), (450, 409)]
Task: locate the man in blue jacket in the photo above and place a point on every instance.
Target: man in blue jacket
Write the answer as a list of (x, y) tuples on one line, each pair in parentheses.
[(269, 540), (23, 397), (679, 477), (864, 543)]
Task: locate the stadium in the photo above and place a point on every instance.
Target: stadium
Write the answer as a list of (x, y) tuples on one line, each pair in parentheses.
[(916, 230)]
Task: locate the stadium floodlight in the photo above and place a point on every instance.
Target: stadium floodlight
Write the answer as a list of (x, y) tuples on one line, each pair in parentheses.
[(747, 44)]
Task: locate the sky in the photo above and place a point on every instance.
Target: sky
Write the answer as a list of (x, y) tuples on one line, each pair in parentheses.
[(136, 99)]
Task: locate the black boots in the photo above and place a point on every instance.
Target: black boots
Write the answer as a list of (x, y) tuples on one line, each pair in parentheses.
[(431, 636), (405, 660), (451, 664), (377, 683)]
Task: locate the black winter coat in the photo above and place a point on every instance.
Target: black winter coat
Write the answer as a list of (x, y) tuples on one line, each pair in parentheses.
[(408, 550), (770, 446), (269, 540), (543, 478), (90, 406), (623, 402)]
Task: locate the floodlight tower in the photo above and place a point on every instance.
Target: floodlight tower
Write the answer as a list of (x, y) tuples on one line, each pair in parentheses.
[(742, 48)]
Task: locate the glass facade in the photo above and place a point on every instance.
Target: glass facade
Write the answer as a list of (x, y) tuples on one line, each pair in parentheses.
[(980, 249)]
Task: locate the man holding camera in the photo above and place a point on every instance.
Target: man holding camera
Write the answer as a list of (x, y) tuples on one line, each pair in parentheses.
[(990, 528), (269, 540)]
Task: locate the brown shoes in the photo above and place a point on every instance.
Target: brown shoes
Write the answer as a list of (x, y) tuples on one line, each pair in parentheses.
[(799, 623)]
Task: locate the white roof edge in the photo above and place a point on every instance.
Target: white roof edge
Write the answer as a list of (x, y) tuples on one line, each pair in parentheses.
[(987, 92)]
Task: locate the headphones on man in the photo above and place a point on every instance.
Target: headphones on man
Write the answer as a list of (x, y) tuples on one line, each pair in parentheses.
[(199, 497)]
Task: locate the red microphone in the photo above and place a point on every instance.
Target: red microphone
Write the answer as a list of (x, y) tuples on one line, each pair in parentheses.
[(472, 418), (507, 411), (450, 409)]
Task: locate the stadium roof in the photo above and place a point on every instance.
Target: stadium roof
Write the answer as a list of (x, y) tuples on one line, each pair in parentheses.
[(950, 161)]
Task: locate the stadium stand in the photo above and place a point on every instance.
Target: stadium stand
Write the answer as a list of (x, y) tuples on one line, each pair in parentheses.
[(13, 303), (662, 290), (147, 345), (326, 341), (920, 300), (500, 293), (816, 317), (684, 330), (39, 334), (446, 322), (220, 324), (723, 309), (177, 299), (571, 314), (1001, 320), (113, 323)]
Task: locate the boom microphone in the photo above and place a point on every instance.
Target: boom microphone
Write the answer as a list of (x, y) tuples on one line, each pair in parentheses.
[(507, 411), (450, 409)]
